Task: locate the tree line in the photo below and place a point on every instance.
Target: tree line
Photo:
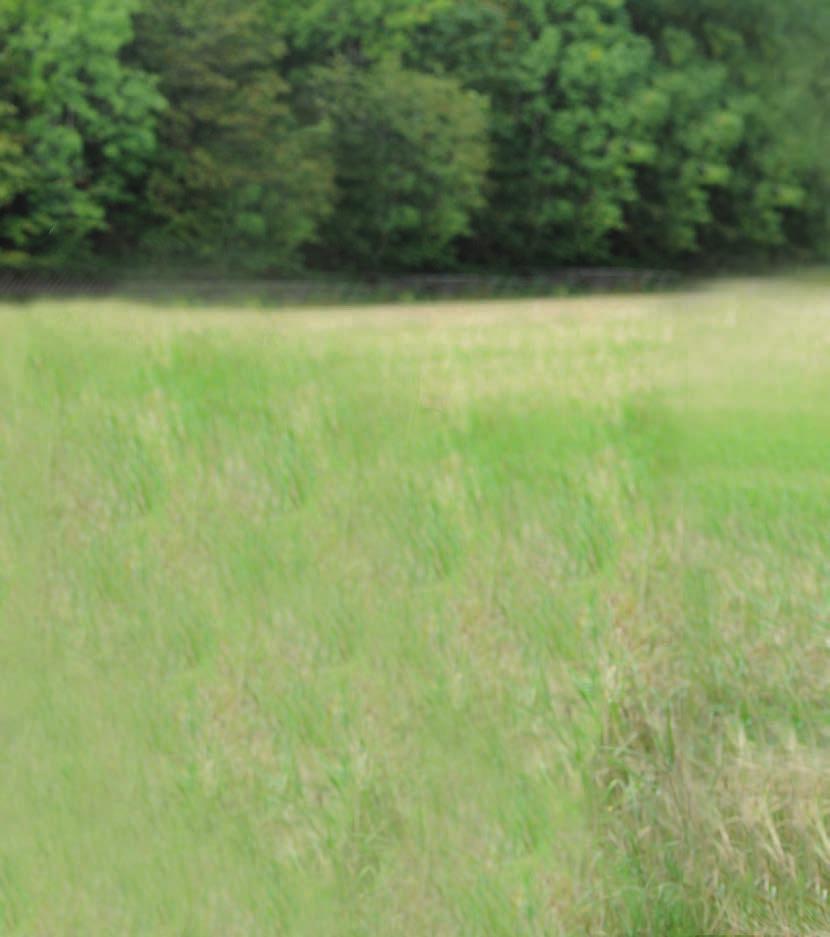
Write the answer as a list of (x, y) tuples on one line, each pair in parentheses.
[(412, 135)]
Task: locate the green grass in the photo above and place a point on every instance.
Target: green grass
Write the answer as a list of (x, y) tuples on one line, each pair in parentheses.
[(496, 619)]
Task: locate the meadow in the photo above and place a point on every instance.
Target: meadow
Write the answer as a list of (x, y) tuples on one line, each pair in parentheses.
[(491, 619)]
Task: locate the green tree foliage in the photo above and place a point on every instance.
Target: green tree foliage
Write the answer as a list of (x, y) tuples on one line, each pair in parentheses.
[(76, 126), (237, 180), (361, 30), (765, 69), (411, 153), (569, 123), (13, 181), (697, 123), (413, 134)]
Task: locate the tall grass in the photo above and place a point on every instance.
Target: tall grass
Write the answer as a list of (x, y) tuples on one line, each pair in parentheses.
[(497, 619)]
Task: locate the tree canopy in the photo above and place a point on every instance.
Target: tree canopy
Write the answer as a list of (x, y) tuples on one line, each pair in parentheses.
[(412, 134)]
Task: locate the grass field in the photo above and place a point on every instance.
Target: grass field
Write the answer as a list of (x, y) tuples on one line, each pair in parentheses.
[(499, 619)]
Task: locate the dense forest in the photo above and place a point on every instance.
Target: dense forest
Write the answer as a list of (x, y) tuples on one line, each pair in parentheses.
[(273, 136)]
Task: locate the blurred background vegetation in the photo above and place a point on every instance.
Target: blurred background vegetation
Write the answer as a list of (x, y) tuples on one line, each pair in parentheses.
[(412, 135)]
